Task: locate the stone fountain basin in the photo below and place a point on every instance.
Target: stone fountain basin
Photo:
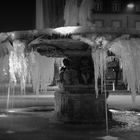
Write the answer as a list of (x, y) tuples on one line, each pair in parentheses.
[(23, 101)]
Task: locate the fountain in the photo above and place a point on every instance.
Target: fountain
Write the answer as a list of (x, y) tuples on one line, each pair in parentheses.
[(82, 90), (81, 94), (75, 100)]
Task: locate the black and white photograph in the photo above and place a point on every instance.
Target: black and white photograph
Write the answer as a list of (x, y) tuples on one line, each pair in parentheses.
[(70, 70)]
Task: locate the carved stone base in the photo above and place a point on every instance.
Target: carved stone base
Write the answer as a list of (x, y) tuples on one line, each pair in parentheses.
[(79, 108)]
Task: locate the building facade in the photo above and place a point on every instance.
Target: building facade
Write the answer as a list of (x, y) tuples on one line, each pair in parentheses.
[(116, 13)]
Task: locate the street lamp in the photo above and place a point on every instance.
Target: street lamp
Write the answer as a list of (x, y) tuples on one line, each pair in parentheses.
[(130, 7)]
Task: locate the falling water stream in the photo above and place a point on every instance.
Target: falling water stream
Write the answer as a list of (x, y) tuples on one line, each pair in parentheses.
[(10, 97), (106, 108), (128, 123), (119, 116)]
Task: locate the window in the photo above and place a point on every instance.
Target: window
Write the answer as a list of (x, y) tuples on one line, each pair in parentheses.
[(116, 23), (98, 23), (137, 24), (116, 6), (137, 7), (98, 6)]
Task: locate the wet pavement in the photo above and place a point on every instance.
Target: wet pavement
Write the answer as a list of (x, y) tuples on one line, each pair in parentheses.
[(40, 124), (36, 121)]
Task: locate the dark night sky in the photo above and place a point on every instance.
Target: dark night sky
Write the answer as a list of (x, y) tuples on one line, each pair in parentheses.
[(17, 15)]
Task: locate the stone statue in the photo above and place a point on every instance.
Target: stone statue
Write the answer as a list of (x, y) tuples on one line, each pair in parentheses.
[(68, 75)]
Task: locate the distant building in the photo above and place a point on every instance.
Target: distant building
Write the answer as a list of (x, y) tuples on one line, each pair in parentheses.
[(104, 13), (116, 13)]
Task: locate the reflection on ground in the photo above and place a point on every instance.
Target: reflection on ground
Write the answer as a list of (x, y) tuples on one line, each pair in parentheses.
[(38, 123)]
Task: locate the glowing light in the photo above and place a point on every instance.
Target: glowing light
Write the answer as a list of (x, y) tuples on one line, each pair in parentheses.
[(138, 114), (11, 111), (3, 115), (16, 110), (130, 6), (113, 111), (66, 30)]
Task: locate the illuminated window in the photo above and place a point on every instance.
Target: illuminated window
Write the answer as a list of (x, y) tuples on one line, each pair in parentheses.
[(116, 23), (98, 6), (116, 6)]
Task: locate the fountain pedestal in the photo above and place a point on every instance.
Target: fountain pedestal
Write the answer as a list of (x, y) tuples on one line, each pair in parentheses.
[(79, 104)]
